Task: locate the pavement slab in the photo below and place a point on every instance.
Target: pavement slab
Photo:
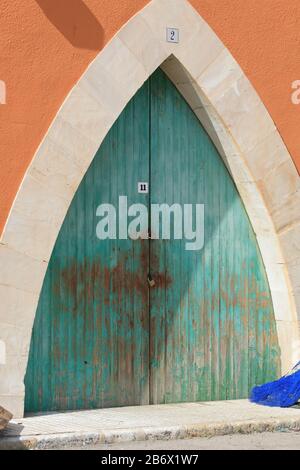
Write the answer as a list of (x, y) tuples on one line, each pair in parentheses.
[(142, 423)]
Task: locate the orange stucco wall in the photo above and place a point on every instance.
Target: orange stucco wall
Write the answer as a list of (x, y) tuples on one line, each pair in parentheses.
[(45, 45)]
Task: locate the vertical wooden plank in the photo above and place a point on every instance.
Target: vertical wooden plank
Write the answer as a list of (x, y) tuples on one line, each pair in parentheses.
[(214, 237), (240, 304)]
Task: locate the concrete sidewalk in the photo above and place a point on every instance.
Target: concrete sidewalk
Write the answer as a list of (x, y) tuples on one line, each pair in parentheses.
[(164, 422)]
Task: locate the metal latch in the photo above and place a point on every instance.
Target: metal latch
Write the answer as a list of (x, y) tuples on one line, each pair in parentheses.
[(151, 281)]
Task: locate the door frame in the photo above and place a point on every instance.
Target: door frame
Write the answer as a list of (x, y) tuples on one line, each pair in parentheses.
[(236, 119)]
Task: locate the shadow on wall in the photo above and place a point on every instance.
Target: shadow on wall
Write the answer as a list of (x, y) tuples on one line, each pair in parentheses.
[(75, 22)]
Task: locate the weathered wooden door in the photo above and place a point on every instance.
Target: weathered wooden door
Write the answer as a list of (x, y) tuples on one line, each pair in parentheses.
[(203, 327)]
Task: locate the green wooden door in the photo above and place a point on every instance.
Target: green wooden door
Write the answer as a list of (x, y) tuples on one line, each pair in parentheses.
[(90, 341), (213, 334), (203, 328)]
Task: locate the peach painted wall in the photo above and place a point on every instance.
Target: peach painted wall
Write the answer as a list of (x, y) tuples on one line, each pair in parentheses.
[(45, 45)]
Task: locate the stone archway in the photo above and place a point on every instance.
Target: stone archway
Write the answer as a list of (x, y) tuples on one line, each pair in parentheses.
[(227, 105)]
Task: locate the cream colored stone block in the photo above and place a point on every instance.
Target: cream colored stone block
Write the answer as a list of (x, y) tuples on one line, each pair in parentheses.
[(21, 271), (239, 170), (290, 244), (294, 273), (287, 215), (236, 102), (276, 276), (39, 203), (126, 71), (86, 115), (261, 223), (282, 306), (251, 128), (221, 78), (13, 403), (177, 14), (34, 238), (79, 148), (280, 184), (296, 300), (55, 169), (12, 376), (2, 352), (267, 155), (270, 248), (160, 14), (17, 307), (16, 339), (241, 95), (143, 43), (102, 86), (202, 50), (58, 177), (289, 342), (256, 208)]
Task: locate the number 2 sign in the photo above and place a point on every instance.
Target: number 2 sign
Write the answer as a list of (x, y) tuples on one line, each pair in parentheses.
[(173, 35)]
